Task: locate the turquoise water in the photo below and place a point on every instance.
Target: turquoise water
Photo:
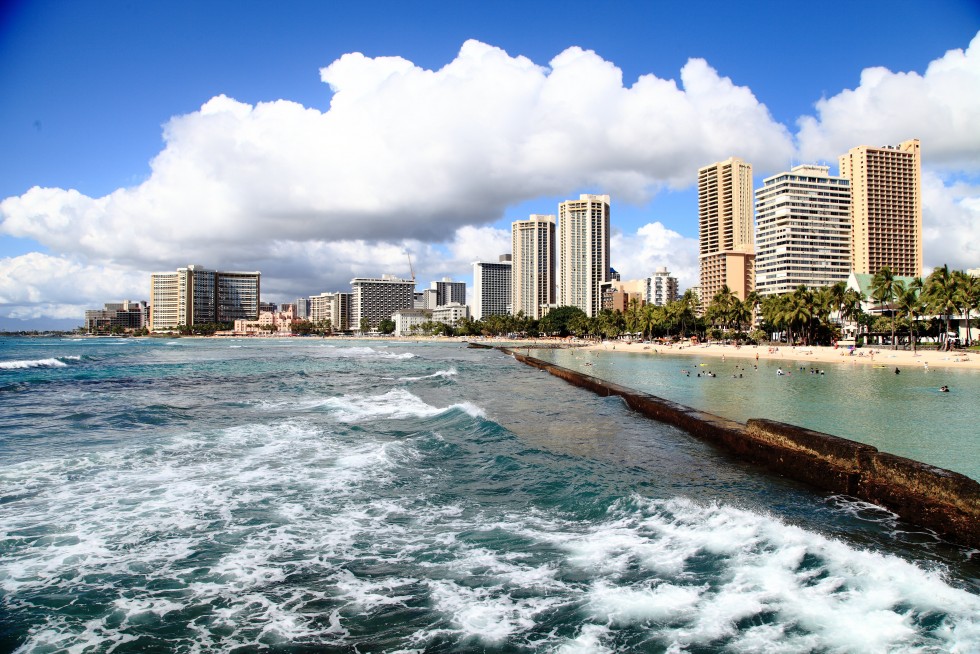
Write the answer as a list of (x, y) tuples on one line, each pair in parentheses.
[(902, 414), (310, 495)]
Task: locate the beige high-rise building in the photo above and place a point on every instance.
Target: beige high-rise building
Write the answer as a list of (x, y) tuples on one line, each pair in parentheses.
[(583, 252), (334, 308), (886, 207), (727, 253), (533, 265)]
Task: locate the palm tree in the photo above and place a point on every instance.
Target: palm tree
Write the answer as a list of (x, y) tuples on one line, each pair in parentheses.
[(799, 311), (969, 297), (771, 309), (884, 289), (684, 310), (851, 305), (741, 314), (652, 317), (942, 294), (633, 316), (911, 305), (837, 294), (720, 311)]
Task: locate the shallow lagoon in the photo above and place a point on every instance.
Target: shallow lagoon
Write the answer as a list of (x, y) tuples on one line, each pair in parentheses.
[(902, 414)]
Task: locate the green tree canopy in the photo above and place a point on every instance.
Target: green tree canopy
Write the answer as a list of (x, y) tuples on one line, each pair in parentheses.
[(558, 320)]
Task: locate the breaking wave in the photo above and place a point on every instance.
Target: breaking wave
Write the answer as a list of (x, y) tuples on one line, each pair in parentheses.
[(53, 362)]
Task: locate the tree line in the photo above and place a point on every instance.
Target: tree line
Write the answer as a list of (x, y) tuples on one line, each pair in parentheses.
[(815, 316)]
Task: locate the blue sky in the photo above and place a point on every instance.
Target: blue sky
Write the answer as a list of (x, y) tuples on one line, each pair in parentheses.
[(87, 90)]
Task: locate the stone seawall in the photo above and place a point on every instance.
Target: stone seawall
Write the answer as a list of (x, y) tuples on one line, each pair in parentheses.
[(944, 501)]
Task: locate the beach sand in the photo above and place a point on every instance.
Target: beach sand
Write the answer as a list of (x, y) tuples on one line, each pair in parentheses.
[(801, 355)]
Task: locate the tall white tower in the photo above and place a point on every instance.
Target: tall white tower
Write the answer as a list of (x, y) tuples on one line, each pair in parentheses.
[(583, 245)]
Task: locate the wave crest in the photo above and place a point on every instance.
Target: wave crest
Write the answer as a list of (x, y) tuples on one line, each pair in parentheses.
[(52, 362)]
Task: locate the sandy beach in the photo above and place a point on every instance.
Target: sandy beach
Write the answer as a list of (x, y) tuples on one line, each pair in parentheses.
[(800, 355)]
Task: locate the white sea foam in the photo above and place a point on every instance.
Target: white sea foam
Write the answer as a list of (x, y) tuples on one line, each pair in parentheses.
[(842, 599), (369, 594), (589, 641), (438, 374), (486, 614), (149, 514), (52, 362), (222, 523), (395, 404), (333, 351)]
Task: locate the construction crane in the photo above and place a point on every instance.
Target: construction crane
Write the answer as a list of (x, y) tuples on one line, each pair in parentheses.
[(409, 255)]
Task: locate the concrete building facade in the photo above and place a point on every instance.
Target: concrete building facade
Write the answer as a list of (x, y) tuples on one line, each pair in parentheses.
[(448, 292), (409, 321), (430, 299), (237, 295), (491, 287), (725, 226), (886, 207), (451, 313), (332, 308), (662, 288), (533, 269), (127, 315), (195, 295), (302, 308), (270, 323), (583, 252), (376, 299), (803, 230)]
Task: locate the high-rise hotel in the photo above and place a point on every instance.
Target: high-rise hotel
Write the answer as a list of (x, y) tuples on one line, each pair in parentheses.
[(491, 287), (886, 207), (727, 252), (533, 268), (803, 222), (583, 246), (195, 295), (377, 299)]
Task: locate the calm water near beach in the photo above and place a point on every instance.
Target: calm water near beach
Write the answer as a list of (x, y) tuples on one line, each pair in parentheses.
[(312, 495), (902, 414)]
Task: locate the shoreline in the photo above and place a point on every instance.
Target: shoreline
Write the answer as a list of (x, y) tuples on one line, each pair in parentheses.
[(901, 359)]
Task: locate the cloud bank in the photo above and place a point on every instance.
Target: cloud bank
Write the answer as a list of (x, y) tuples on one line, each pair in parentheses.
[(426, 160), (941, 108)]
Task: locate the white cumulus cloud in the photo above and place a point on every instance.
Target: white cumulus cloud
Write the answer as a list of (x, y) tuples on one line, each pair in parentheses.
[(36, 285), (403, 155), (408, 159), (950, 224), (655, 246), (941, 108)]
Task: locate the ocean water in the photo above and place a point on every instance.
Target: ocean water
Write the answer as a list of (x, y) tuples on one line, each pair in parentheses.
[(315, 495), (902, 414)]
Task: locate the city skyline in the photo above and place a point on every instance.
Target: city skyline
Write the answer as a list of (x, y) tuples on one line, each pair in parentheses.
[(246, 178)]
